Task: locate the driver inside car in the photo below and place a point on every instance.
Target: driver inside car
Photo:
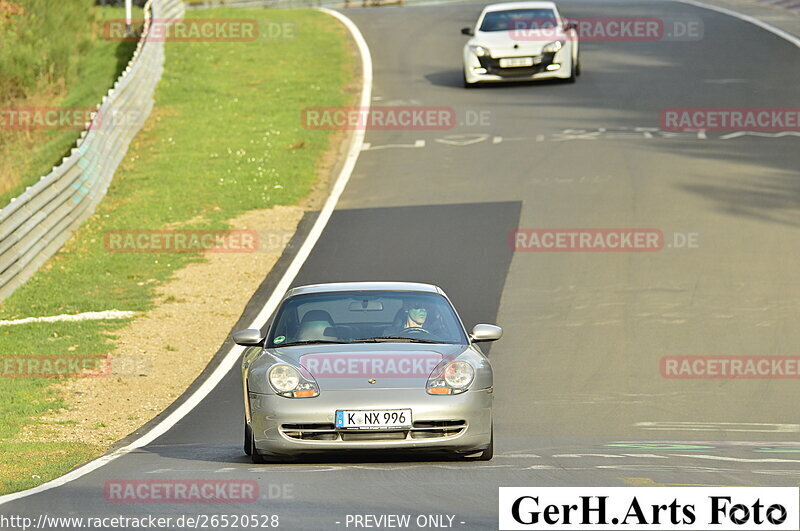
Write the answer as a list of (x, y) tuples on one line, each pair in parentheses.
[(417, 315), (411, 318)]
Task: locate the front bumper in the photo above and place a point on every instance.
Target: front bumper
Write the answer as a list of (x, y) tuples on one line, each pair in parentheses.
[(546, 66), (493, 68), (455, 423)]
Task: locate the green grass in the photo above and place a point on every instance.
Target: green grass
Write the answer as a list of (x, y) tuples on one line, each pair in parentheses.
[(25, 398), (85, 73), (42, 42), (225, 137), (26, 465)]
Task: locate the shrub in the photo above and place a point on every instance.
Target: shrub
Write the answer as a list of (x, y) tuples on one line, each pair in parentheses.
[(40, 41)]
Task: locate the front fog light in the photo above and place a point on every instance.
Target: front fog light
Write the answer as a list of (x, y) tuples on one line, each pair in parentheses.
[(553, 47), (284, 378)]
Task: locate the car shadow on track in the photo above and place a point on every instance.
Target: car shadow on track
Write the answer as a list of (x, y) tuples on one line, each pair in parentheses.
[(454, 79), (233, 454)]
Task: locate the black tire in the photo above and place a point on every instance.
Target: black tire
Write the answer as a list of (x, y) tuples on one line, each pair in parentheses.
[(248, 439), (573, 72), (489, 452), (255, 457), (274, 459), (466, 84)]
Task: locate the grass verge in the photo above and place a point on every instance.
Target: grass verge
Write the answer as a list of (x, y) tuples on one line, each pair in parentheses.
[(225, 137), (26, 465), (76, 75)]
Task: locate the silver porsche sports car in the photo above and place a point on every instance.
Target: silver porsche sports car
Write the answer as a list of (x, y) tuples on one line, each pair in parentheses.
[(366, 365)]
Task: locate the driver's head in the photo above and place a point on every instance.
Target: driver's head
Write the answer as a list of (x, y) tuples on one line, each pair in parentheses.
[(417, 312)]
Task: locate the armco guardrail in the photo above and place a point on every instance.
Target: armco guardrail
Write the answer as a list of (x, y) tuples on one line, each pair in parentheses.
[(294, 4), (35, 225)]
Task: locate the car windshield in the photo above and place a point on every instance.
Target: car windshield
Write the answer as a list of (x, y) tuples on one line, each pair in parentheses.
[(517, 19), (366, 316)]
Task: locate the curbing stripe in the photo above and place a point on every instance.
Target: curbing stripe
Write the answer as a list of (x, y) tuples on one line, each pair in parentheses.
[(86, 316)]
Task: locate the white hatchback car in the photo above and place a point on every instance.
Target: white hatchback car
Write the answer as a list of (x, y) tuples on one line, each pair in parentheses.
[(520, 41)]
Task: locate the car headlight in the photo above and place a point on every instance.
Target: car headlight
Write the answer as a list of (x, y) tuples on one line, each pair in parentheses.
[(453, 379), (284, 378), (480, 51), (288, 382), (459, 374), (553, 47)]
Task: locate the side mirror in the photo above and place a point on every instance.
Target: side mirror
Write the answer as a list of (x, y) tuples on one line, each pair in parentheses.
[(250, 337), (570, 26), (467, 31), (486, 332)]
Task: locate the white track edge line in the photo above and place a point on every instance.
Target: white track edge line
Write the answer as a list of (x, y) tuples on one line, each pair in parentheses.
[(233, 355), (747, 18)]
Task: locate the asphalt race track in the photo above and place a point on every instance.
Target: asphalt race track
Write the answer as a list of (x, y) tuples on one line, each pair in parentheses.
[(580, 399)]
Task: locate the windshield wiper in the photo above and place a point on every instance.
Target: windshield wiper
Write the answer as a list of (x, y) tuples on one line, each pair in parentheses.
[(394, 339), (312, 342)]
